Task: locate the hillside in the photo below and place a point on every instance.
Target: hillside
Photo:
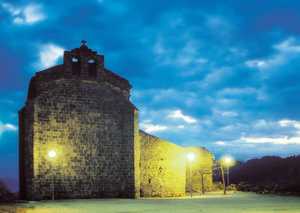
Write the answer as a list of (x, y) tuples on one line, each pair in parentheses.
[(268, 175)]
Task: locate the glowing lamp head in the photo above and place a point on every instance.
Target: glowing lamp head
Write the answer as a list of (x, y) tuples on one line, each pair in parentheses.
[(191, 156), (228, 161), (52, 154)]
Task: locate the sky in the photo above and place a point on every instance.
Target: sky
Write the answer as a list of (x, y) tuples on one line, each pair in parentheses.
[(218, 74)]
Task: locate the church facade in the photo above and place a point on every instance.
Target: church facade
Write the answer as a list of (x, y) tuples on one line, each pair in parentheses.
[(82, 112)]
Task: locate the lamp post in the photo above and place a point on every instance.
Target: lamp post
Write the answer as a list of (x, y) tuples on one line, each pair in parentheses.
[(190, 157), (223, 179), (52, 156), (228, 161)]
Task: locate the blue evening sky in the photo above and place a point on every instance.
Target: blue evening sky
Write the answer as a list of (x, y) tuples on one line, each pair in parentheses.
[(219, 74)]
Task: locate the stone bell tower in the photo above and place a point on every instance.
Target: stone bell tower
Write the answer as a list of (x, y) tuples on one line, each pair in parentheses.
[(82, 111), (83, 62)]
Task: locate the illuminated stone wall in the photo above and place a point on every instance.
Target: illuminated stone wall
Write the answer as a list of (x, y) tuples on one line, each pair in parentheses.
[(82, 110), (92, 126), (200, 169), (163, 171)]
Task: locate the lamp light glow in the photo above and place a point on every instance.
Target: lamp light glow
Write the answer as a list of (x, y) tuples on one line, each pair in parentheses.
[(191, 156), (228, 161), (52, 154)]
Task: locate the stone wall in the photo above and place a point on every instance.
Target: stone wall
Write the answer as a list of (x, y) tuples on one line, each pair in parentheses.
[(137, 156), (93, 128), (163, 171), (92, 132), (200, 170), (83, 113)]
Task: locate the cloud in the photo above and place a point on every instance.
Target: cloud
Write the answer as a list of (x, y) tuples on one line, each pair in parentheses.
[(225, 113), (29, 14), (220, 143), (216, 22), (157, 121), (7, 127), (172, 97), (180, 126), (289, 123), (284, 51), (262, 124), (152, 128), (49, 55), (290, 45), (243, 92), (186, 56), (258, 63), (215, 77), (238, 91), (11, 9), (282, 132), (177, 114), (278, 140), (32, 14)]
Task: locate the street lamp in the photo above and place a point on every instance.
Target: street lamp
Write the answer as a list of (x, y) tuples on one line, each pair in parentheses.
[(228, 161), (191, 157), (52, 155)]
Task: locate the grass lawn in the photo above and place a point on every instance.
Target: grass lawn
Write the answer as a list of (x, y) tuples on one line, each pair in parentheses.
[(212, 203)]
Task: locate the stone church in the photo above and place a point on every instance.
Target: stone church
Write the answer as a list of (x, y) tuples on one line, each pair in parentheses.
[(82, 111)]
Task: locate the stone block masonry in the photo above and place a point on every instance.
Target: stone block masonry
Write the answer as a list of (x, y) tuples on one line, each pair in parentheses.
[(162, 167), (88, 120), (165, 170), (82, 111), (200, 170)]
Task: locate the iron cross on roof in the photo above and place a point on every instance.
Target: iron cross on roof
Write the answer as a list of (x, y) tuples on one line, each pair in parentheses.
[(83, 42)]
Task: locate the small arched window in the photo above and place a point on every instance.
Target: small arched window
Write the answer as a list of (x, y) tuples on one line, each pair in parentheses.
[(92, 67), (76, 66)]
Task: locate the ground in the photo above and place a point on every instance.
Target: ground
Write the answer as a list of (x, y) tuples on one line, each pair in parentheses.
[(212, 203)]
